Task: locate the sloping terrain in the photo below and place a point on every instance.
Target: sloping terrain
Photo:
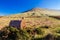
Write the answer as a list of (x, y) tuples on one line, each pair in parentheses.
[(34, 18)]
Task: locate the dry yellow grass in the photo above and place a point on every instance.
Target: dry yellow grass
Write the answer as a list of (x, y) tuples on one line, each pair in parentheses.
[(32, 22)]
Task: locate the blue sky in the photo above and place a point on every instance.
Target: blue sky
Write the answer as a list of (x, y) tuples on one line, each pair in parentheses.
[(50, 4), (8, 7)]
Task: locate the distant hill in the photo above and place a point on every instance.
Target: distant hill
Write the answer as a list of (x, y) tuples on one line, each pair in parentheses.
[(39, 12)]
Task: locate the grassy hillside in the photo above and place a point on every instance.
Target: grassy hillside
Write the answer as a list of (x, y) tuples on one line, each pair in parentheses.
[(40, 25), (33, 17)]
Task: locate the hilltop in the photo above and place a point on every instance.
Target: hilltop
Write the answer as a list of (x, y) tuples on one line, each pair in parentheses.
[(39, 12)]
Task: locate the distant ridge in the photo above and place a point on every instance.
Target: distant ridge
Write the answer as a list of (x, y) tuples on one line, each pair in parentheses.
[(38, 12)]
